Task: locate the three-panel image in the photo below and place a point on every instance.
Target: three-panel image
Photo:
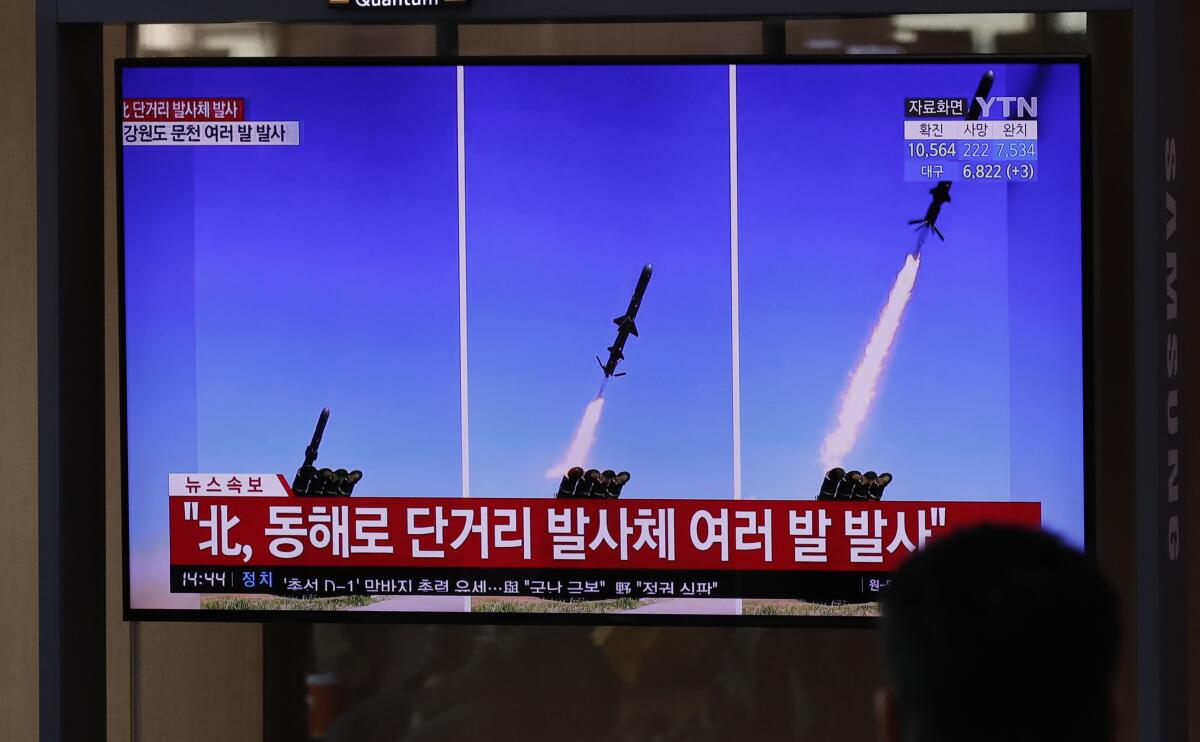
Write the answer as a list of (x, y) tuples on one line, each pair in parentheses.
[(708, 281)]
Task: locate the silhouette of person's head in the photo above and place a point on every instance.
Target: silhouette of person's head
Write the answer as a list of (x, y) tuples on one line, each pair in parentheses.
[(997, 633)]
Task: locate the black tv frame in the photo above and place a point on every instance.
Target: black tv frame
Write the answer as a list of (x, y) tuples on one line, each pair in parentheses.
[(596, 619)]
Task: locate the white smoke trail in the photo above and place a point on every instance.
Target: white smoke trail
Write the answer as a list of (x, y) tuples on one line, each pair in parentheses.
[(581, 444), (856, 402)]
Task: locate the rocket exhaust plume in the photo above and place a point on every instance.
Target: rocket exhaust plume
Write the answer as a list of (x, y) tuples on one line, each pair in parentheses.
[(585, 437), (864, 380)]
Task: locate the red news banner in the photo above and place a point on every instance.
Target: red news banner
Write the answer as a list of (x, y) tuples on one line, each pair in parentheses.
[(276, 529), (183, 109)]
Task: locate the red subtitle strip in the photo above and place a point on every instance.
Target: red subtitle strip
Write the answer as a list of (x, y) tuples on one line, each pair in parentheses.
[(526, 533), (183, 109)]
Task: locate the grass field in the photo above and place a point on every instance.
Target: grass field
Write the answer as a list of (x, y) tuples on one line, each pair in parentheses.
[(274, 603), (531, 605), (802, 608), (537, 605)]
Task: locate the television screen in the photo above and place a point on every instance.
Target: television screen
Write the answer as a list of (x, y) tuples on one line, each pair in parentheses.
[(602, 341)]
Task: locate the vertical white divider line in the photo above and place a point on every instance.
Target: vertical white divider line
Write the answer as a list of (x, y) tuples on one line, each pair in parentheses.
[(464, 417), (733, 284), (464, 425), (733, 281)]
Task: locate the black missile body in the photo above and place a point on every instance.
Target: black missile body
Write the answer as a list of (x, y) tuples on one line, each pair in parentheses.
[(941, 192), (310, 453), (306, 480), (626, 326), (941, 195)]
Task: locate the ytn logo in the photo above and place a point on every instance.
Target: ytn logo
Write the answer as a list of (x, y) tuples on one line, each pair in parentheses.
[(1026, 108)]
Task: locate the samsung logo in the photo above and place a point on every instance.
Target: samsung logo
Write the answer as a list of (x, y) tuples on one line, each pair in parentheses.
[(1171, 295)]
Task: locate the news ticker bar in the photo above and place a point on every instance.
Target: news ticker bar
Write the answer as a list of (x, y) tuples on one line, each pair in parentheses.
[(926, 171), (950, 129), (987, 150), (210, 133), (554, 584), (183, 109), (238, 532)]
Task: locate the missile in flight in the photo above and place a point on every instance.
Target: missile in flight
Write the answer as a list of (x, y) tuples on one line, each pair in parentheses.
[(625, 326), (941, 192)]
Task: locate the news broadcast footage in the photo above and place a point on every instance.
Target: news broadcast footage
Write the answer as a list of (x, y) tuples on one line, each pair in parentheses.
[(659, 339)]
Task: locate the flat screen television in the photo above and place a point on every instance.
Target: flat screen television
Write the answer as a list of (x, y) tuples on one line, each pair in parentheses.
[(604, 341)]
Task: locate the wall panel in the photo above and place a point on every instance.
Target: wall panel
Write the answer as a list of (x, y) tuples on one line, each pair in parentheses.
[(18, 376)]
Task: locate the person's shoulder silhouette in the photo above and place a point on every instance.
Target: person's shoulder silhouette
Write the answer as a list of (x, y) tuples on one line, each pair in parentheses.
[(998, 633)]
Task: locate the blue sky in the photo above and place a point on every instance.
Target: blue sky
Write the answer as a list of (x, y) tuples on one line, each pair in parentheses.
[(982, 397), (576, 177), (264, 283)]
